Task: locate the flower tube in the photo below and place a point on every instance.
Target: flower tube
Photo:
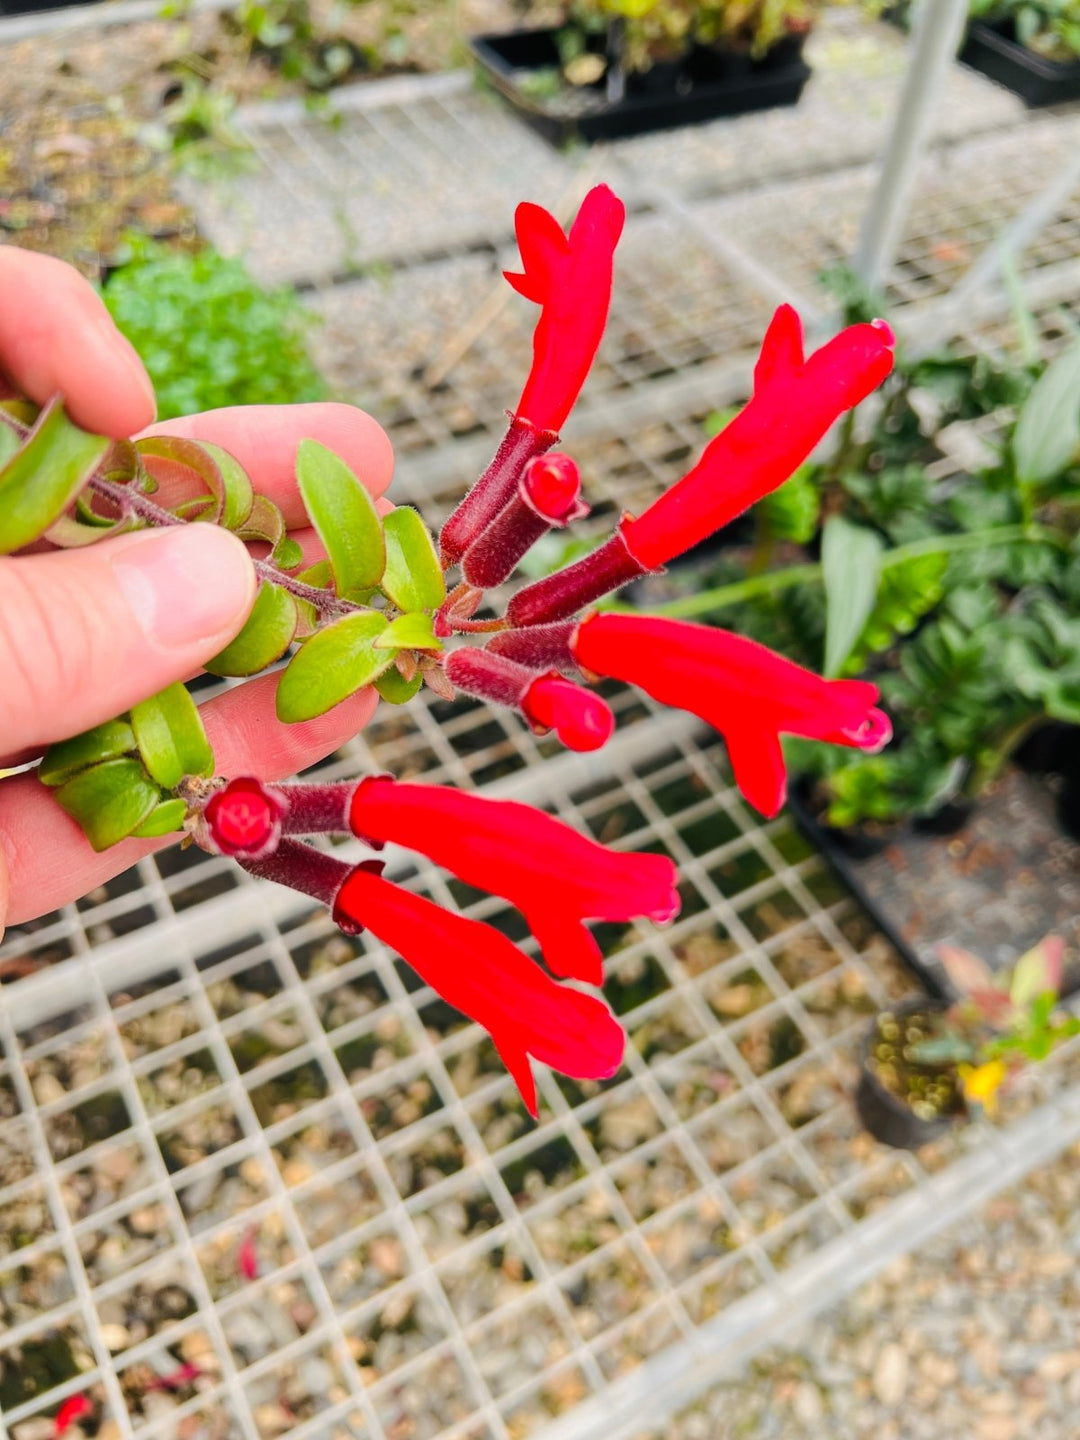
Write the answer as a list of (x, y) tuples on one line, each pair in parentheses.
[(485, 976), (556, 877), (749, 693)]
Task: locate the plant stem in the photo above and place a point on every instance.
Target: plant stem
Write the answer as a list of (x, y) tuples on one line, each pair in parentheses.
[(813, 574), (132, 502)]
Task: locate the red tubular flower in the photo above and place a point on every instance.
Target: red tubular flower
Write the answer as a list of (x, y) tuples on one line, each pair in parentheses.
[(244, 819), (581, 719), (556, 877), (485, 976), (795, 403), (570, 278), (548, 496), (74, 1409), (750, 694)]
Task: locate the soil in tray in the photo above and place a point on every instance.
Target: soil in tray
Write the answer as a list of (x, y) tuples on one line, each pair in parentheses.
[(997, 885)]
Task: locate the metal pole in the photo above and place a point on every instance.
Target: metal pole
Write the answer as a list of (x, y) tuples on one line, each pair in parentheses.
[(939, 25)]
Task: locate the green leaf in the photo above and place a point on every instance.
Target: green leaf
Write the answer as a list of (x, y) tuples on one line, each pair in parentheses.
[(162, 820), (335, 662), (409, 632), (395, 689), (110, 800), (413, 579), (229, 487), (851, 565), (10, 440), (266, 522), (104, 742), (1047, 434), (791, 512), (1033, 977), (344, 516), (170, 736), (239, 494), (42, 478), (267, 634)]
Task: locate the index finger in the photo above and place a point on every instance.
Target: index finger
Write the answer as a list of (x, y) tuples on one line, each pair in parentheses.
[(56, 335)]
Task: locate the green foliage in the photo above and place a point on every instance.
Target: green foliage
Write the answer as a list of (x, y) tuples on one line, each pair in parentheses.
[(115, 779), (1051, 27), (43, 476), (658, 30), (851, 569), (209, 334), (793, 512)]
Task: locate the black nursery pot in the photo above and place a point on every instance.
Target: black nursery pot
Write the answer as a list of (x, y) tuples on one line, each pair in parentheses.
[(857, 842), (995, 51), (710, 83), (886, 1116)]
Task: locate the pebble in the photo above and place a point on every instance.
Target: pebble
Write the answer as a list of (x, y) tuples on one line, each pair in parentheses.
[(890, 1375)]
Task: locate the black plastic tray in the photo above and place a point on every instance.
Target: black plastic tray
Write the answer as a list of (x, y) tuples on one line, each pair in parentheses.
[(1005, 878), (996, 52), (707, 87)]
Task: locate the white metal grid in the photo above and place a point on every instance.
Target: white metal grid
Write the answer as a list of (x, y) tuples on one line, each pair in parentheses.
[(430, 1262)]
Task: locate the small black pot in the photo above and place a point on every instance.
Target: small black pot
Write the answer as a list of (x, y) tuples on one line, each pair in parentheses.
[(995, 51), (887, 1117), (857, 842), (947, 819)]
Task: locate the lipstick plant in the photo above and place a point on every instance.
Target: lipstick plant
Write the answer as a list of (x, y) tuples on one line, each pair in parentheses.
[(389, 606)]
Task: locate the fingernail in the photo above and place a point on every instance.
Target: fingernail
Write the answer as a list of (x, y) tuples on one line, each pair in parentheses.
[(187, 587)]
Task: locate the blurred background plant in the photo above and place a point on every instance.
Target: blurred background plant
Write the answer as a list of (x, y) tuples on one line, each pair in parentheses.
[(640, 34), (209, 334), (1050, 27)]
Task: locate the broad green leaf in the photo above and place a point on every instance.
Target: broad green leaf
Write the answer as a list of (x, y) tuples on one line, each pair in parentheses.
[(1047, 434), (266, 635), (170, 736), (335, 662), (851, 564), (409, 632), (42, 478), (395, 689), (110, 800), (344, 516), (413, 579), (162, 820), (104, 742)]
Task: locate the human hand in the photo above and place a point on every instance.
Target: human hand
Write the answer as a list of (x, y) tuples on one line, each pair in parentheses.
[(86, 634)]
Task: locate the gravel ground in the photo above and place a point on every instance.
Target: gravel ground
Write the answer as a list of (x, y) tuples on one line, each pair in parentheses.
[(977, 1336)]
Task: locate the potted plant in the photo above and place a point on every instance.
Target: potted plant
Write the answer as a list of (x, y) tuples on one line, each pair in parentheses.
[(620, 67), (927, 1065), (1030, 46)]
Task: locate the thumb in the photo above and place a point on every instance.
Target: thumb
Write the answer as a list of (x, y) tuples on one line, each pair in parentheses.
[(86, 635)]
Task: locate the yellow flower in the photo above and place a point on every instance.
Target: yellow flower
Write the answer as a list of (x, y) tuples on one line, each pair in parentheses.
[(980, 1083)]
